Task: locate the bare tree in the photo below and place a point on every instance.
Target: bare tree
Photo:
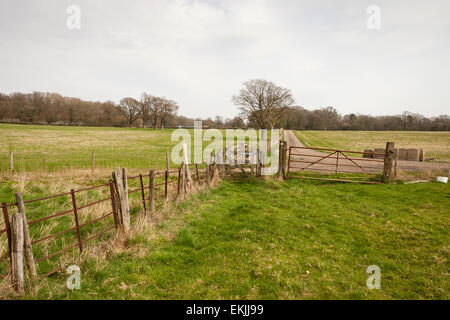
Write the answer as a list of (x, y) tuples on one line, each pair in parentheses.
[(168, 108), (130, 108), (146, 108), (263, 102)]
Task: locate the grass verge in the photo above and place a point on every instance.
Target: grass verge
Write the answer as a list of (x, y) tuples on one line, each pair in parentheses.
[(290, 240)]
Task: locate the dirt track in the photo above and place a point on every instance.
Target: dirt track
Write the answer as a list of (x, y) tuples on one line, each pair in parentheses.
[(353, 165)]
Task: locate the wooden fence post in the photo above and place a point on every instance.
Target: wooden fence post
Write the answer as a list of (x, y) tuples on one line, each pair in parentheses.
[(17, 252), (187, 172), (284, 152), (179, 182), (388, 162), (280, 160), (395, 167), (77, 222), (152, 192), (114, 205), (167, 160), (11, 163), (29, 258), (126, 214), (122, 198), (7, 227), (93, 161), (166, 178), (207, 174), (143, 193)]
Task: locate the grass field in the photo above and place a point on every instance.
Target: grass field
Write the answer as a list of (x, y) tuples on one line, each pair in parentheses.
[(54, 148), (269, 240), (247, 239), (435, 144)]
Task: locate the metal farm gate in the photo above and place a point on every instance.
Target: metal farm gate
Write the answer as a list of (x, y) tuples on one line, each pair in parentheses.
[(338, 165)]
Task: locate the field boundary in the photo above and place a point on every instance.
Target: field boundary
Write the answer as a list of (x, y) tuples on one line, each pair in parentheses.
[(120, 209)]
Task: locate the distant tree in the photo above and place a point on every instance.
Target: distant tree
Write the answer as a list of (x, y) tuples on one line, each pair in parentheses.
[(263, 103), (168, 108), (236, 122), (130, 108), (145, 108)]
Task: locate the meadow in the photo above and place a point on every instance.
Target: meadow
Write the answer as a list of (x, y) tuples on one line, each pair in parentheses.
[(256, 239), (245, 239), (435, 144), (53, 148)]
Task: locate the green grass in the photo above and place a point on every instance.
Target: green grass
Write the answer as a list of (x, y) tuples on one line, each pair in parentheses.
[(291, 240), (54, 148), (435, 144)]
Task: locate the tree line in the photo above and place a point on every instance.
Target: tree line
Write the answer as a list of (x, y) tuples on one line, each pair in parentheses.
[(261, 103), (54, 109), (266, 105)]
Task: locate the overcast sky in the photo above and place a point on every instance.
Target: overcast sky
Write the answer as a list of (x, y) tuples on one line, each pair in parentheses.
[(199, 52)]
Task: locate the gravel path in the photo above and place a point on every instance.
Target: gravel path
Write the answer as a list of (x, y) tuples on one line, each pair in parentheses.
[(344, 164)]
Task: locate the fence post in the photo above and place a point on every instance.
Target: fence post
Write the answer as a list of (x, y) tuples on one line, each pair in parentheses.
[(8, 228), (126, 214), (187, 172), (124, 223), (143, 193), (388, 162), (77, 223), (207, 174), (11, 162), (113, 204), (280, 160), (396, 161), (289, 161), (166, 178), (167, 160), (179, 181), (17, 252), (29, 258), (152, 192), (93, 161), (196, 172)]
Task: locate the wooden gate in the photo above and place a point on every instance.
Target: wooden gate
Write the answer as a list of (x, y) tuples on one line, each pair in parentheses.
[(339, 165)]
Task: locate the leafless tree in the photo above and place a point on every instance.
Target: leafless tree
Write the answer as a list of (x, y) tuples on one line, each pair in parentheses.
[(130, 108), (146, 108), (167, 108), (263, 102)]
